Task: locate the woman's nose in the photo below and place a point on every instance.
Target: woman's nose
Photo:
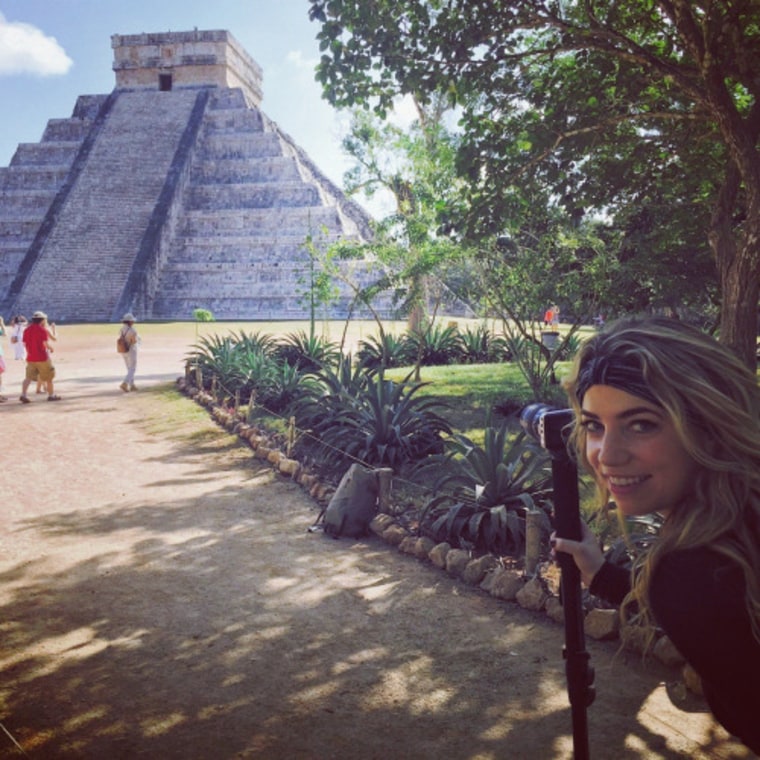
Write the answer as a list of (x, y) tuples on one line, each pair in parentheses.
[(612, 449)]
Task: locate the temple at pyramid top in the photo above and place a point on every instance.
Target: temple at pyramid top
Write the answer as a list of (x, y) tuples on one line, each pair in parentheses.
[(169, 60)]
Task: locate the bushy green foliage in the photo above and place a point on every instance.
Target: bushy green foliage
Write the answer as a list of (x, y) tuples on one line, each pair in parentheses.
[(481, 346), (248, 366), (203, 315), (435, 345), (368, 417), (491, 488), (385, 352), (307, 353)]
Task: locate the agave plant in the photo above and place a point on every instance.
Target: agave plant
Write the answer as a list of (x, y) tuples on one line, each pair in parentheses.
[(307, 353), (380, 422), (489, 492), (481, 346), (385, 352), (323, 400), (437, 346), (275, 384), (216, 357)]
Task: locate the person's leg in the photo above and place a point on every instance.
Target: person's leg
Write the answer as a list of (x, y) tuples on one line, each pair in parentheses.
[(47, 377), (131, 361), (125, 383), (30, 375)]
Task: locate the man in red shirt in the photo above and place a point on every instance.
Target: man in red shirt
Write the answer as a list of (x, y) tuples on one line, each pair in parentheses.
[(38, 364)]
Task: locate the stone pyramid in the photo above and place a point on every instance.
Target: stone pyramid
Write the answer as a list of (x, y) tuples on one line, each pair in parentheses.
[(171, 193)]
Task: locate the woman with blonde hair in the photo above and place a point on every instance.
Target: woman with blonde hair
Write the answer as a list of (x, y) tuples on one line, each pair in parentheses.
[(668, 422)]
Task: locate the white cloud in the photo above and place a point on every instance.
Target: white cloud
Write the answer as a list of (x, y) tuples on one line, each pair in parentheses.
[(26, 49)]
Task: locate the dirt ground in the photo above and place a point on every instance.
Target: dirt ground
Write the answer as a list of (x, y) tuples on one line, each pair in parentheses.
[(161, 598)]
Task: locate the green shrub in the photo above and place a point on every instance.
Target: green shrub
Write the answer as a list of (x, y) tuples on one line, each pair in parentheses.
[(436, 346), (481, 346), (364, 417), (203, 315), (384, 353), (307, 353), (492, 488)]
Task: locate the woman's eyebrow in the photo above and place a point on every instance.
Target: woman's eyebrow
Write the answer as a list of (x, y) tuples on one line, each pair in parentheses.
[(632, 412)]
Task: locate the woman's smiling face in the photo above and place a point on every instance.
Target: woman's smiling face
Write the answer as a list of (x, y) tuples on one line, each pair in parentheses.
[(635, 452)]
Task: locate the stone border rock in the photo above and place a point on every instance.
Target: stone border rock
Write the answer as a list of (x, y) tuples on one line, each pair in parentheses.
[(488, 572)]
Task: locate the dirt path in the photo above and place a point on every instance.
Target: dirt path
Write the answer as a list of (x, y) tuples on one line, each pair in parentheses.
[(161, 598)]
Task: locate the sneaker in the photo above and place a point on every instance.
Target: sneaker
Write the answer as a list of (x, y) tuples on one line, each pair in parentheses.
[(54, 398), (24, 399), (133, 387), (3, 399), (124, 387)]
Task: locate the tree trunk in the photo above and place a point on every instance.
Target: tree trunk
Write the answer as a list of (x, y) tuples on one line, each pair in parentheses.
[(738, 318), (736, 257)]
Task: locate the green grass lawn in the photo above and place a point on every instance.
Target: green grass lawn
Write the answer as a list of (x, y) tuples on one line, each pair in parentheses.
[(472, 392)]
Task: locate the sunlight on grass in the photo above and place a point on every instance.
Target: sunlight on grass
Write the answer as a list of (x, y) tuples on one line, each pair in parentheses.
[(176, 415)]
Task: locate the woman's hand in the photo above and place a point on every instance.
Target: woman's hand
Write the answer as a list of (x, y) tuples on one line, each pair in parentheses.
[(586, 553)]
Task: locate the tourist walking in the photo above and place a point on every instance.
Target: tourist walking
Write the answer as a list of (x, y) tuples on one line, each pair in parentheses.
[(52, 335), (131, 339), (18, 325), (668, 422), (39, 366)]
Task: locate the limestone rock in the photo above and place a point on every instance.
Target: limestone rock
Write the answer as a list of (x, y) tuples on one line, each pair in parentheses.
[(408, 545), (456, 562), (533, 595), (289, 466), (602, 625), (380, 523), (394, 535), (438, 554), (476, 569), (506, 584), (423, 546)]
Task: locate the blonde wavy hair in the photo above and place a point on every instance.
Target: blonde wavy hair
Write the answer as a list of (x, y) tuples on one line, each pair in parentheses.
[(714, 402)]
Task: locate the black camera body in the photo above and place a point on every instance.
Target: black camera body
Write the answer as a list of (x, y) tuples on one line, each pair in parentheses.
[(550, 426)]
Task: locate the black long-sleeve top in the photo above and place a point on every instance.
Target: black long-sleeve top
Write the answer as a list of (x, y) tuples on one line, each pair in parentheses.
[(697, 597)]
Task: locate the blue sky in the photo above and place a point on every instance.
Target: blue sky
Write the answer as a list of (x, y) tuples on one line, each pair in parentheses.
[(51, 51)]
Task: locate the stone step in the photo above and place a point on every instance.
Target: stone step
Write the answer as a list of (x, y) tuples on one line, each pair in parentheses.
[(33, 178), (66, 130), (240, 196), (21, 229), (257, 222), (239, 170), (252, 145), (237, 121), (24, 204), (45, 154)]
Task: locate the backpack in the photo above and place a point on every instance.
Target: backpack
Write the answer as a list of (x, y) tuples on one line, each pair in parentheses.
[(353, 505), (122, 346)]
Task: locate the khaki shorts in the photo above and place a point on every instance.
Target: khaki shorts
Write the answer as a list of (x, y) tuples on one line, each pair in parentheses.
[(43, 371)]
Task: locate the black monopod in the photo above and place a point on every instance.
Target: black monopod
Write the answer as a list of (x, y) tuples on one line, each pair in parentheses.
[(550, 427)]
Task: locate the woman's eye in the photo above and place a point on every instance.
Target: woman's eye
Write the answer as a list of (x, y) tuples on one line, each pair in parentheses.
[(643, 426), (591, 426)]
